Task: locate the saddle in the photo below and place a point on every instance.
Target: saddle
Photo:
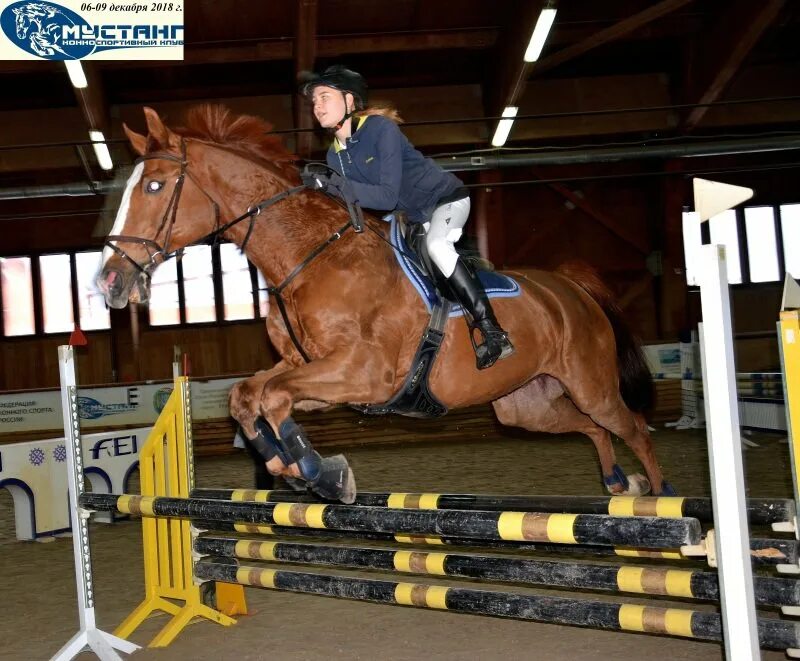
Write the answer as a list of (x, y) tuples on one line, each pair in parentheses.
[(414, 398)]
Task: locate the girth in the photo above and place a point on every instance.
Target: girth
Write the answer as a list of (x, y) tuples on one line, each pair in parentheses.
[(415, 399)]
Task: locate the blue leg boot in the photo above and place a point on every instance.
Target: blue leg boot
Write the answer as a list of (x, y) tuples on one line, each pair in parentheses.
[(329, 477), (268, 446)]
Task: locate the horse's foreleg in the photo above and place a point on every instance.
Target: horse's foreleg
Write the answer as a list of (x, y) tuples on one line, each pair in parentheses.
[(244, 398), (336, 379), (245, 407)]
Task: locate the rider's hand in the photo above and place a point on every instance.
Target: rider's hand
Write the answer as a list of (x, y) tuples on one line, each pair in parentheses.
[(341, 186), (315, 180), (315, 176)]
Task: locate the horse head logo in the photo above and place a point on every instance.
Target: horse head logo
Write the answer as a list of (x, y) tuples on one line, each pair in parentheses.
[(38, 28)]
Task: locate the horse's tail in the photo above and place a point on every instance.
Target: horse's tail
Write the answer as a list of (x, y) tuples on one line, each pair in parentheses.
[(635, 380)]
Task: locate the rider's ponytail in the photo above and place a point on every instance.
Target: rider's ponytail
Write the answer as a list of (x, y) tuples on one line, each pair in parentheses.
[(384, 109)]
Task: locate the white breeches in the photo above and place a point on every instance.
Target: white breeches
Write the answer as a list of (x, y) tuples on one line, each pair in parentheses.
[(443, 230)]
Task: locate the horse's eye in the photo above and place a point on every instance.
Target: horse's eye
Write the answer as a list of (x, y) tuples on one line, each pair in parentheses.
[(154, 186)]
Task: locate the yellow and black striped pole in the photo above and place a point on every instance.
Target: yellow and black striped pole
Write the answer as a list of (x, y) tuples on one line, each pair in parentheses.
[(763, 551), (761, 511), (603, 530)]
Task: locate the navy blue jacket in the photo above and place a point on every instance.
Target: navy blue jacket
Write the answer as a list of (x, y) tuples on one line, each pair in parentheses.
[(385, 172)]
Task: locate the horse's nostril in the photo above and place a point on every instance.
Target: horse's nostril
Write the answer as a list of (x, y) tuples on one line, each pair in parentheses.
[(110, 282)]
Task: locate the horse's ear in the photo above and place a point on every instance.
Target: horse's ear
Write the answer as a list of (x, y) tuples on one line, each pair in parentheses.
[(158, 130), (138, 141)]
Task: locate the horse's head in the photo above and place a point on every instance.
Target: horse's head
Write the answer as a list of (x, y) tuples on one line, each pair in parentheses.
[(164, 208)]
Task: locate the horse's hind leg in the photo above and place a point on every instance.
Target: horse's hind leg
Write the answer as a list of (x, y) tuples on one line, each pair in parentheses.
[(606, 408), (541, 405)]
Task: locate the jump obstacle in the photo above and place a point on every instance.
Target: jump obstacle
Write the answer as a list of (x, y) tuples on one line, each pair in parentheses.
[(179, 554), (434, 518)]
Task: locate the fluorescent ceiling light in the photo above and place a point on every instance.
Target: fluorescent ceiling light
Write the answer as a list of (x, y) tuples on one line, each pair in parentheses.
[(540, 32), (76, 75), (504, 126), (101, 150)]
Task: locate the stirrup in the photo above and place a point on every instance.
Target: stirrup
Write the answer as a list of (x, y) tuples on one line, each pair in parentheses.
[(496, 345)]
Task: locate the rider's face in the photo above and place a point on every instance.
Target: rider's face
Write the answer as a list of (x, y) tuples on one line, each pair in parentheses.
[(329, 105)]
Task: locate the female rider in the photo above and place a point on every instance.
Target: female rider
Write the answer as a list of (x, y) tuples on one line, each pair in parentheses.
[(373, 164)]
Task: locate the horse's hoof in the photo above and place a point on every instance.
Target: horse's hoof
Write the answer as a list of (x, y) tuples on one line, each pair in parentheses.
[(349, 491), (638, 485), (336, 481)]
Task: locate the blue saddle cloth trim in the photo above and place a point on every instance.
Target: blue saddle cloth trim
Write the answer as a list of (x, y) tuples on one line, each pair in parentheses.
[(496, 284)]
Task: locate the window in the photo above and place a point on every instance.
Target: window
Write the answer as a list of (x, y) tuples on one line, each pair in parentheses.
[(759, 232), (198, 284), (51, 293), (724, 231), (92, 310), (164, 304), (17, 286), (237, 286), (790, 226), (55, 277), (762, 247)]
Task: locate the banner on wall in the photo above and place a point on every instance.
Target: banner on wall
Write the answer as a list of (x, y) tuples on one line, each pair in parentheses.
[(111, 406)]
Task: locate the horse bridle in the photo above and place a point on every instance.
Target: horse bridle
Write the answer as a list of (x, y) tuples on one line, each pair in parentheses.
[(155, 249)]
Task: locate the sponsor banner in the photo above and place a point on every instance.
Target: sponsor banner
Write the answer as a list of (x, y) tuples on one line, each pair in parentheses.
[(111, 406), (210, 398), (35, 473), (76, 30)]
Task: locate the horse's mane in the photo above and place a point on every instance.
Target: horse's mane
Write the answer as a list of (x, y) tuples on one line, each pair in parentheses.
[(250, 136), (244, 133)]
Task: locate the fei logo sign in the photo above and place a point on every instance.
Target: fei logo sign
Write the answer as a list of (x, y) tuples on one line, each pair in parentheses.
[(73, 30)]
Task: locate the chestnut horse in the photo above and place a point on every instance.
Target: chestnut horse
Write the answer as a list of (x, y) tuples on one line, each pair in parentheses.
[(359, 320)]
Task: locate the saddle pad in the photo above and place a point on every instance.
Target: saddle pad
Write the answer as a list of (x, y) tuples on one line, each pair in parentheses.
[(496, 284)]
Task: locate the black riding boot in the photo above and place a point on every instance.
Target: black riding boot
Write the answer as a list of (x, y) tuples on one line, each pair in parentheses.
[(470, 293)]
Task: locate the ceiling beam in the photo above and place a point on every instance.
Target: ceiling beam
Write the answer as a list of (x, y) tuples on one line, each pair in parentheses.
[(91, 99), (720, 51), (639, 243), (513, 72), (304, 57), (282, 48), (332, 46), (609, 34)]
